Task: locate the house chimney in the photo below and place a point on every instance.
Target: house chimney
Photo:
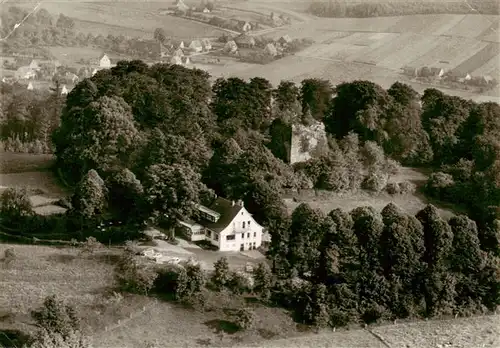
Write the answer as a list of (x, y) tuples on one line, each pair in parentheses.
[(240, 202)]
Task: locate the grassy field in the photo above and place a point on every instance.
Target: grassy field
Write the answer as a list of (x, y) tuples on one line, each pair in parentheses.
[(87, 282), (30, 171), (130, 321), (71, 55), (410, 203), (377, 48), (129, 18)]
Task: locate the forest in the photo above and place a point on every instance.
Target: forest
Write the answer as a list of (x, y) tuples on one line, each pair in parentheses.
[(140, 144)]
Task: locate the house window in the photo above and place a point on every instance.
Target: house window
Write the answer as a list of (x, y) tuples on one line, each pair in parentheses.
[(207, 233), (254, 245), (230, 237), (216, 236), (243, 223), (255, 234), (243, 236), (248, 235), (248, 223)]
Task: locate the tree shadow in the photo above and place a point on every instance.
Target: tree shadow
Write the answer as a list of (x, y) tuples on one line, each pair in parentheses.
[(220, 325), (61, 258), (303, 328), (204, 342), (13, 338), (267, 334), (252, 300)]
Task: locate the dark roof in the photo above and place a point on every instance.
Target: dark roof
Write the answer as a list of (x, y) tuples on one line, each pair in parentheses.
[(226, 209)]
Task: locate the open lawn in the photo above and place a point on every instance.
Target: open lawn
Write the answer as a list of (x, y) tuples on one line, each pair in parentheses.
[(30, 171), (87, 282), (24, 162), (130, 321), (410, 203), (72, 55)]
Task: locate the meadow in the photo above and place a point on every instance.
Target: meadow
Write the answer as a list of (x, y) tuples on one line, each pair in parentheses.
[(126, 19), (378, 48), (411, 203), (130, 321)]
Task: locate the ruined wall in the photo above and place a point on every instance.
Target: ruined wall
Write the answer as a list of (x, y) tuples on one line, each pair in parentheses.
[(307, 141)]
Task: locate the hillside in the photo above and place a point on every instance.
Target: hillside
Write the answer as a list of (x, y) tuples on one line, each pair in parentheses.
[(377, 49), (125, 18)]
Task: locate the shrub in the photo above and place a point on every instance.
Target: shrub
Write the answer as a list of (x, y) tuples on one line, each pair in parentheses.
[(374, 312), (46, 339), (222, 275), (15, 205), (374, 182), (240, 282), (167, 279), (9, 256), (406, 187), (245, 318), (263, 278), (196, 278), (133, 277), (392, 188), (56, 317), (338, 317), (90, 246), (439, 185)]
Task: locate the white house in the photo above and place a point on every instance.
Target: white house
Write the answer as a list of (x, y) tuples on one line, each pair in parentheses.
[(178, 53), (246, 27), (25, 73), (34, 65), (176, 60), (64, 90), (196, 46), (181, 45), (225, 224), (30, 86), (104, 62), (206, 10)]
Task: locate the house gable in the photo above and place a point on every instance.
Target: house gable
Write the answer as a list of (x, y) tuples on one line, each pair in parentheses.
[(104, 61)]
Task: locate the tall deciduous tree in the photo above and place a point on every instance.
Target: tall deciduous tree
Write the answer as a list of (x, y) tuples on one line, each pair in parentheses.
[(287, 97), (125, 196), (100, 136), (466, 252), (368, 227), (316, 95), (360, 107), (172, 192), (160, 35), (306, 233), (439, 284), (438, 237), (89, 199), (15, 206)]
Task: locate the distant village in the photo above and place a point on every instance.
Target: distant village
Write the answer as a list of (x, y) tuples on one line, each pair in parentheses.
[(207, 13), (455, 77), (40, 73)]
